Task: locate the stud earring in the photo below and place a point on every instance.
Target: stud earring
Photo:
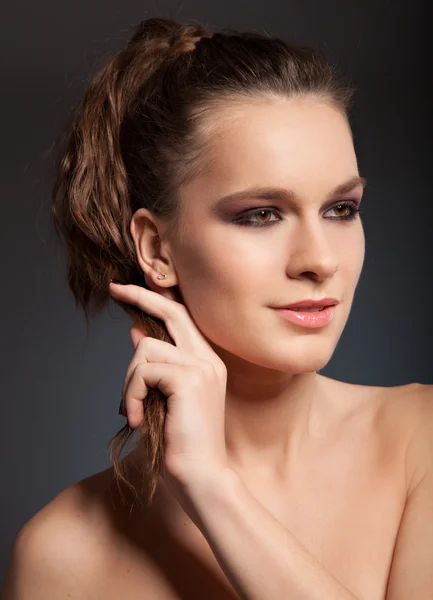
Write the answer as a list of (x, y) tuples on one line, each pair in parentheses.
[(161, 276)]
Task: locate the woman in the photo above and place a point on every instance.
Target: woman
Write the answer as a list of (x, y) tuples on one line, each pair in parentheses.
[(216, 177)]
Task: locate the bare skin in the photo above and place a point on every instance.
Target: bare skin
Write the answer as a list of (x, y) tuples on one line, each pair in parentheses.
[(326, 458), (343, 499), (230, 275)]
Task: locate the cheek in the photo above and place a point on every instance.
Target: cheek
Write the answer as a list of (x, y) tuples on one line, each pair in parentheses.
[(352, 254), (219, 266), (218, 285), (208, 280)]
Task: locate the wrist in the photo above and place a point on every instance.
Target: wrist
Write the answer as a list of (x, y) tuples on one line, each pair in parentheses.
[(211, 494), (211, 485)]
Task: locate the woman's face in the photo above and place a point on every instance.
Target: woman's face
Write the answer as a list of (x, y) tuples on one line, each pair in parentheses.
[(230, 275)]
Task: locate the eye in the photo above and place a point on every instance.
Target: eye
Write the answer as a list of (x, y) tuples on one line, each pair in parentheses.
[(260, 212), (349, 207)]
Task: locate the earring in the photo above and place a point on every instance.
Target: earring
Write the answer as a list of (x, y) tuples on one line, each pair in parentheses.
[(161, 276)]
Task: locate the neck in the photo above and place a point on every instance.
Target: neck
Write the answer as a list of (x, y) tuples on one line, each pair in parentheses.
[(268, 419)]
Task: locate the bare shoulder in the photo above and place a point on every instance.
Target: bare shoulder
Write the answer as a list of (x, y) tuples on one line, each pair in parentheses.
[(406, 412), (63, 550), (400, 419), (420, 447), (411, 573)]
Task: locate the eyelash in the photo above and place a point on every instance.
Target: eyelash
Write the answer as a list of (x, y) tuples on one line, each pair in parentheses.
[(354, 213)]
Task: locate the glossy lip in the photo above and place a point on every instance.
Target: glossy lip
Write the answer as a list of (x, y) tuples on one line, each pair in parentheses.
[(308, 319), (311, 303)]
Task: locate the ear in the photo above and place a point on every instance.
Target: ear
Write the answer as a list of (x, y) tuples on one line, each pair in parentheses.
[(137, 334), (166, 292)]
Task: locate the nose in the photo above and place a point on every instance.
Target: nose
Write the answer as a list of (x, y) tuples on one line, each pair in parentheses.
[(311, 254)]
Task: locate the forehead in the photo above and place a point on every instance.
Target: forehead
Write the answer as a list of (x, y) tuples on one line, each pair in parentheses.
[(280, 142)]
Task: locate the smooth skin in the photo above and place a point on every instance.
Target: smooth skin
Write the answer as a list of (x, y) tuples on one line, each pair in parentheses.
[(346, 469), (230, 275)]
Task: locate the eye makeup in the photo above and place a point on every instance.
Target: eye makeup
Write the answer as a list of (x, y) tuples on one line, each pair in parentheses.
[(352, 206), (234, 201)]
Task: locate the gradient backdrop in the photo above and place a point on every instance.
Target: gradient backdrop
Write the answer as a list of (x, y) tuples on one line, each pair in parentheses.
[(61, 388)]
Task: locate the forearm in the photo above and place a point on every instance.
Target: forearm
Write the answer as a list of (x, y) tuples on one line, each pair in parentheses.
[(259, 556)]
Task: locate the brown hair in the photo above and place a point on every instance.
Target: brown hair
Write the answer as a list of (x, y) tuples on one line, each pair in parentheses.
[(143, 130)]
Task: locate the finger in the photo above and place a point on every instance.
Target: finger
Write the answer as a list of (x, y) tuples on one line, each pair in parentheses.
[(175, 315), (133, 397), (148, 375), (156, 351), (151, 351)]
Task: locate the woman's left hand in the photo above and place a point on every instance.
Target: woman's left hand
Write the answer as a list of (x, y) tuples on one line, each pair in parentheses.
[(192, 377)]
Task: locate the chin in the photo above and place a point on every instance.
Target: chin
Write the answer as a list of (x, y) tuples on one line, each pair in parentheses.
[(294, 360), (302, 355), (296, 365), (305, 356)]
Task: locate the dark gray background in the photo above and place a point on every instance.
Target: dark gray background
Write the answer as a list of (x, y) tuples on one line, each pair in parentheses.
[(61, 388)]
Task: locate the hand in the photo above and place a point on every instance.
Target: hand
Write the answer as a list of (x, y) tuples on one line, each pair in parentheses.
[(190, 375)]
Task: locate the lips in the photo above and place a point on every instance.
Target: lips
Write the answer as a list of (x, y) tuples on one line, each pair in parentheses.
[(307, 305), (306, 309), (308, 318)]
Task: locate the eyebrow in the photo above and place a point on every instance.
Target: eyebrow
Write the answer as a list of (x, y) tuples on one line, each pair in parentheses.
[(268, 193)]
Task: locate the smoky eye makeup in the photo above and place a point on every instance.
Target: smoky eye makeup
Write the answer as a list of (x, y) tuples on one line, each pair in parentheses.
[(254, 196), (350, 209)]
